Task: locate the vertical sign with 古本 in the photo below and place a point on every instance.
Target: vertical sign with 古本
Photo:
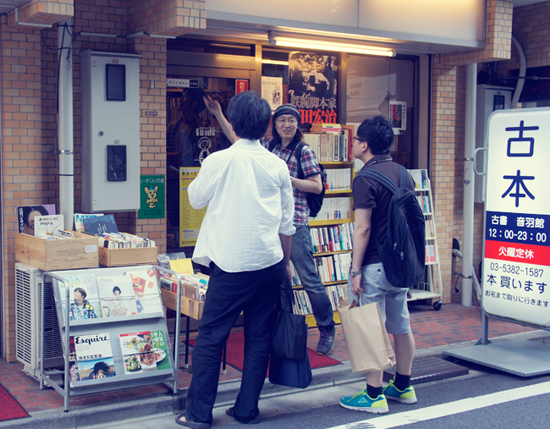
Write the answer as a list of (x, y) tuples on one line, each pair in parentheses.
[(516, 265)]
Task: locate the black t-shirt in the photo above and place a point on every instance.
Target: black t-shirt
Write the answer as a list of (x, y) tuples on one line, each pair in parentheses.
[(369, 194)]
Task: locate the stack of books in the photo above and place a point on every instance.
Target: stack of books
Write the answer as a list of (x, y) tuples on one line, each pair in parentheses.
[(123, 240)]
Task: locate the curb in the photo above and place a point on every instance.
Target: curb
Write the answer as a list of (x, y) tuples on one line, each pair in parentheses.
[(125, 409)]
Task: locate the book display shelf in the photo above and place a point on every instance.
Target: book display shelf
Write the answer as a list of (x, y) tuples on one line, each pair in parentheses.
[(431, 287), (332, 229), (113, 330)]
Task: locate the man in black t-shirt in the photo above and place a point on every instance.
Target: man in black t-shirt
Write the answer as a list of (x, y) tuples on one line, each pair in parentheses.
[(370, 203)]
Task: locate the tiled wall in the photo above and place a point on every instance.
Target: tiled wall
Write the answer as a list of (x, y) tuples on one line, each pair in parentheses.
[(29, 97)]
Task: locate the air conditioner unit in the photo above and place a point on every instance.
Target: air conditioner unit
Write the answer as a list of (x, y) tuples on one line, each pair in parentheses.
[(28, 321)]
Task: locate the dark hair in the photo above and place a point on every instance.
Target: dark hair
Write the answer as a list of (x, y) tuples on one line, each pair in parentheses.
[(101, 366), (116, 288), (378, 133), (29, 209), (249, 114), (82, 291)]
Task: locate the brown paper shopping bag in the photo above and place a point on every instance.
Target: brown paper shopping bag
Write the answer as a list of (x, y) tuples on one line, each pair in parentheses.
[(368, 343)]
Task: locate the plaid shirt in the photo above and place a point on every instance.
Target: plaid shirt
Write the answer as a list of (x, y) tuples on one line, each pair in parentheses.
[(310, 167)]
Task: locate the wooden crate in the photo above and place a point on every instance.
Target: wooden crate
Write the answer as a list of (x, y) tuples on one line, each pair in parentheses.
[(54, 255), (124, 257), (189, 307)]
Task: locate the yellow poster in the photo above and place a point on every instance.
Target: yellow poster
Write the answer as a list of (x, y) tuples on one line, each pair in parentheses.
[(190, 219)]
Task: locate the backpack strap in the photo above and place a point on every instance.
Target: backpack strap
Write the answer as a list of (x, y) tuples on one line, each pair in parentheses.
[(298, 156), (385, 180)]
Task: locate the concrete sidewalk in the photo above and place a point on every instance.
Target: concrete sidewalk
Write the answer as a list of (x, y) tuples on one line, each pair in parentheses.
[(435, 331)]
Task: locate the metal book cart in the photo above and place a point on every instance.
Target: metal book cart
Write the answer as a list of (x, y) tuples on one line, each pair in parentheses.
[(113, 327)]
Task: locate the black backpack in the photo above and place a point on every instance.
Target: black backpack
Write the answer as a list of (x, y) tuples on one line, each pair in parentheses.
[(314, 201), (403, 251)]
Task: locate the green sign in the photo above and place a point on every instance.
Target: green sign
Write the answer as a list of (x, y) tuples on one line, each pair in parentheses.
[(152, 196)]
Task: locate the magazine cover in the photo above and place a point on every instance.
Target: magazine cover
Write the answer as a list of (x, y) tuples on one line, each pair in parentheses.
[(137, 352), (84, 298), (26, 215), (117, 297), (94, 356), (160, 350), (146, 291)]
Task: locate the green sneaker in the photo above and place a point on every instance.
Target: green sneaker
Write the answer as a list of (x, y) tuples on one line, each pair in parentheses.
[(363, 402), (407, 396)]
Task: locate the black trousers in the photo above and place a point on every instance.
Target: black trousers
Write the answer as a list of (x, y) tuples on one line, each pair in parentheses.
[(254, 293)]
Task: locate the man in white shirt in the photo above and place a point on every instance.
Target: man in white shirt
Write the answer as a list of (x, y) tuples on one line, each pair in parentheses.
[(245, 238)]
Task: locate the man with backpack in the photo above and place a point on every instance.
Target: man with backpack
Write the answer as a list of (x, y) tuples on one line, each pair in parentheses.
[(372, 202), (305, 178)]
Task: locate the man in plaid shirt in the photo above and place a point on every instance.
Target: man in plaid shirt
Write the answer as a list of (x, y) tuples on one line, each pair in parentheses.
[(286, 135)]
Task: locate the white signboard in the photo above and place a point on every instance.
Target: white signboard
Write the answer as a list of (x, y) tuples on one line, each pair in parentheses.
[(516, 265)]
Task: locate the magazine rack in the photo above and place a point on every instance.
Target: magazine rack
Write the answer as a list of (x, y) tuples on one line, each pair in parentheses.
[(135, 347)]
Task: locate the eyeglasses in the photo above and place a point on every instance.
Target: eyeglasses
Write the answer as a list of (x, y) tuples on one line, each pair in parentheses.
[(291, 121), (359, 140)]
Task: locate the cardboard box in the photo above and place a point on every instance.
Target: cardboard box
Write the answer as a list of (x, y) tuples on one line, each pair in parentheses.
[(189, 307), (124, 257), (54, 255)]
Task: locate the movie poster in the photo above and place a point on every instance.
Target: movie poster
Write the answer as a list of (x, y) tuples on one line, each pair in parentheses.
[(313, 86)]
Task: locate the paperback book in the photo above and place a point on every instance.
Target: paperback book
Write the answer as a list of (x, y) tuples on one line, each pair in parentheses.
[(117, 296), (137, 352), (92, 357)]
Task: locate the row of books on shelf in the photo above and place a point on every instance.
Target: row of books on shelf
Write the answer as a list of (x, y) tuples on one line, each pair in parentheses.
[(424, 202), (302, 304), (420, 178), (92, 357), (123, 240), (333, 238), (431, 257), (430, 229), (332, 268), (193, 286), (334, 208), (338, 179), (94, 297)]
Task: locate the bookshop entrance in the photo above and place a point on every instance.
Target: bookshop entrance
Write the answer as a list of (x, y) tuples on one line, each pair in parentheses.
[(193, 133)]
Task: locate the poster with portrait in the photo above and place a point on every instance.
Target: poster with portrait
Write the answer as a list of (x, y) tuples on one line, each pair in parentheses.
[(312, 86), (398, 116), (272, 91)]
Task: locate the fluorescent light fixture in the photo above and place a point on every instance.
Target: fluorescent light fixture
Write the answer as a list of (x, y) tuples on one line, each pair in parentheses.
[(110, 36), (332, 46), (277, 62)]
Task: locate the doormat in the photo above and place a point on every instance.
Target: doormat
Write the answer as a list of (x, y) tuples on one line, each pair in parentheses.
[(235, 353), (9, 407), (430, 368)]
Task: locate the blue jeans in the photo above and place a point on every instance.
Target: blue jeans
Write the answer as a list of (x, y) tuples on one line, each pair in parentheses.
[(301, 256)]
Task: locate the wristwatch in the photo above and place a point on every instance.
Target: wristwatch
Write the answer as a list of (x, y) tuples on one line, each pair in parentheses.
[(353, 274)]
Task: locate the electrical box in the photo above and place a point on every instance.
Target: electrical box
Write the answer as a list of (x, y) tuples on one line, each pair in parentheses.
[(488, 99), (110, 131)]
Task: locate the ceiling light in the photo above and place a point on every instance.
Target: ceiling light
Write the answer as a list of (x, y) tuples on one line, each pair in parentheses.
[(332, 46)]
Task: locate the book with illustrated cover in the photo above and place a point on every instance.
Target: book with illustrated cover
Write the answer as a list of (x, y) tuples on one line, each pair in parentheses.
[(79, 220), (117, 296), (137, 352), (27, 214), (160, 349), (145, 287), (48, 225), (100, 224), (94, 357), (83, 297)]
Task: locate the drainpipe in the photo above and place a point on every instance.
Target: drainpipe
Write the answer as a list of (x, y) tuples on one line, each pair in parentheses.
[(468, 208), (522, 71), (65, 123)]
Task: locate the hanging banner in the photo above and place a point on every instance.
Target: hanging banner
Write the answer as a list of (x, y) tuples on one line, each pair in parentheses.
[(152, 197), (312, 86), (190, 219), (516, 265)]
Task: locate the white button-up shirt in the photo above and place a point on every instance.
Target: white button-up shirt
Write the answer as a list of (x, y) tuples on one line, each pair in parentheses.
[(250, 202)]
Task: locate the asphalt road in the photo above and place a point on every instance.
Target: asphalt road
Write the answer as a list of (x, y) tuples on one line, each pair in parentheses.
[(485, 398)]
